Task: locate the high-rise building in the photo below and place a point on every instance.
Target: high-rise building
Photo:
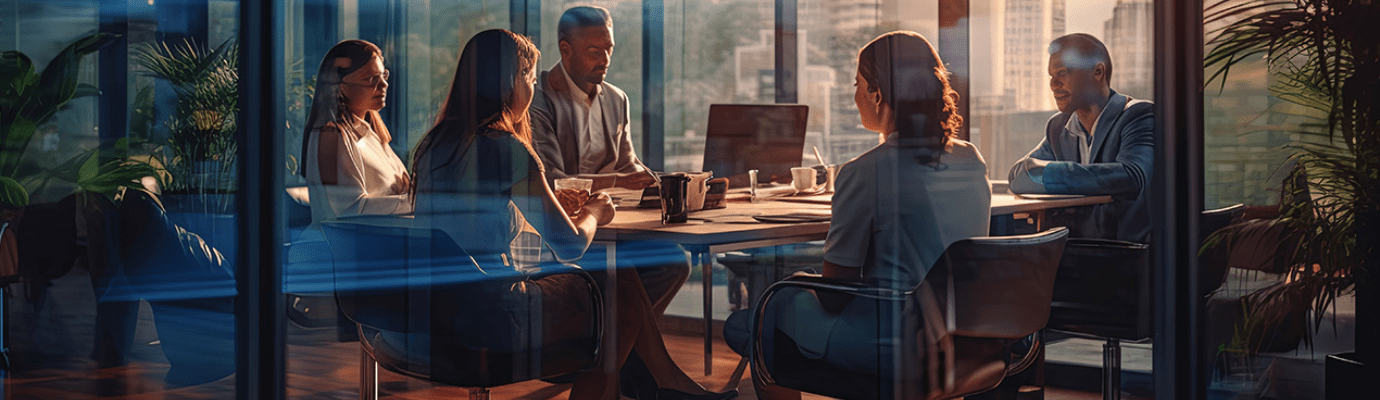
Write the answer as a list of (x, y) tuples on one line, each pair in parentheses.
[(854, 15), (850, 15), (1029, 27), (1130, 36), (988, 102)]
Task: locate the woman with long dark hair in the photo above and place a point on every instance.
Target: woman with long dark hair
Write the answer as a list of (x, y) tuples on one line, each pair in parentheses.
[(479, 180), (350, 168)]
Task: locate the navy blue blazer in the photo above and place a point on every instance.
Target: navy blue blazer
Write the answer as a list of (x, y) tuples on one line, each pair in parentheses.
[(1123, 151)]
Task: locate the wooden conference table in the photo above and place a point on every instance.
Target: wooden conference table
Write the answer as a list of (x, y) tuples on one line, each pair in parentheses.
[(710, 232)]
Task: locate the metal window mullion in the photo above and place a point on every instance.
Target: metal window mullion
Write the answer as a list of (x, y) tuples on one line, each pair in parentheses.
[(1177, 200), (260, 362), (524, 17), (786, 54), (113, 71), (954, 37), (654, 84)]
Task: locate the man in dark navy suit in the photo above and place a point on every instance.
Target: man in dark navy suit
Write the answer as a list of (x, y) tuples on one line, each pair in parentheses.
[(1100, 143)]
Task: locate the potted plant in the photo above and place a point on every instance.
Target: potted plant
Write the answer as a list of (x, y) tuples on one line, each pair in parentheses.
[(1325, 59), (200, 150), (199, 153), (28, 99)]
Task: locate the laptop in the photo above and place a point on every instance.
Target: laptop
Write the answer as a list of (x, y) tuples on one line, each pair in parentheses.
[(769, 138)]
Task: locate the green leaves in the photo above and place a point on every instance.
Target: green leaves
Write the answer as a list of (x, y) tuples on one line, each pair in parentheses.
[(206, 82), (12, 194), (28, 99), (107, 178), (102, 170), (1325, 65)]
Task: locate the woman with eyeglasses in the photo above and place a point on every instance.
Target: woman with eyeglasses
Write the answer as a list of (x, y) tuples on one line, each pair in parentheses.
[(350, 168)]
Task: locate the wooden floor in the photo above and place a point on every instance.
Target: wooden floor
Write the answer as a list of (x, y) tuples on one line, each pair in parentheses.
[(50, 345), (321, 368)]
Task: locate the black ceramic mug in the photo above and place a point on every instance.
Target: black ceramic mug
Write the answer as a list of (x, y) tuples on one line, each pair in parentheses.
[(673, 206)]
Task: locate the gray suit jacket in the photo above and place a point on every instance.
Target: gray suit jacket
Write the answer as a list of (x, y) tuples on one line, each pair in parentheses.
[(556, 138), (1123, 151)]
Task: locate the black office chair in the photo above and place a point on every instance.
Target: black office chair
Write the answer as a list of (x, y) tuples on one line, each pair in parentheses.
[(1103, 292), (952, 335), (426, 309), (1212, 273), (1104, 287)]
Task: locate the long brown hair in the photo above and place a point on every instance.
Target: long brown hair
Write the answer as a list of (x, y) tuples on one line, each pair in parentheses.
[(913, 81), (329, 106), (482, 91)]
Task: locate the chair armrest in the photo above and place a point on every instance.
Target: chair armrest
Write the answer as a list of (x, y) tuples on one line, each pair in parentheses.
[(820, 283), (551, 269), (1031, 355)]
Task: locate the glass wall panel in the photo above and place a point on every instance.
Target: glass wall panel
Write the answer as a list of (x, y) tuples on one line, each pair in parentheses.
[(420, 42), (1011, 99), (716, 52), (831, 33), (120, 175), (1010, 106), (1263, 131)]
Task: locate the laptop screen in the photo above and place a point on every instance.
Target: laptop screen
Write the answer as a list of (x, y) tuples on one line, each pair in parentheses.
[(769, 138)]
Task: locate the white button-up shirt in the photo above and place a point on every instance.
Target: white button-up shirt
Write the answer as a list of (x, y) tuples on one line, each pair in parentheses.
[(589, 117), (1085, 136)]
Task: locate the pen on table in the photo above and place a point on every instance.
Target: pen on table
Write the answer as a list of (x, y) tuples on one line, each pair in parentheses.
[(819, 157)]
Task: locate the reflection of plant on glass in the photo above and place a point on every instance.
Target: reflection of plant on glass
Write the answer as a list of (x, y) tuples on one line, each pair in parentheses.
[(300, 92), (200, 153), (28, 99), (1324, 59)]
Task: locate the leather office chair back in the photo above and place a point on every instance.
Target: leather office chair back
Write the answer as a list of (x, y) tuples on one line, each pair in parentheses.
[(1103, 289), (377, 269), (1001, 285), (954, 335), (1212, 273)]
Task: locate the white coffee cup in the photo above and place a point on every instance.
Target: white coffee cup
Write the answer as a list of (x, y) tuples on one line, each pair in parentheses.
[(803, 179), (694, 192)]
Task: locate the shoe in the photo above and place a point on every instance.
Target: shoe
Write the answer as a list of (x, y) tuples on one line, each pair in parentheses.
[(671, 394), (635, 381)]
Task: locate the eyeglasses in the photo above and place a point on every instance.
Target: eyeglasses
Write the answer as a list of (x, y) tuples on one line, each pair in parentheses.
[(376, 81)]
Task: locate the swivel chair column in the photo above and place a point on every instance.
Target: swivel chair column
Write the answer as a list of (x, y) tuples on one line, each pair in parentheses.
[(368, 376), (479, 393), (1111, 369)]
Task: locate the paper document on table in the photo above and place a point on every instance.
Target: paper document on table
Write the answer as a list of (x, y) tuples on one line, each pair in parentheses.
[(1034, 196), (822, 198), (795, 216), (624, 197)]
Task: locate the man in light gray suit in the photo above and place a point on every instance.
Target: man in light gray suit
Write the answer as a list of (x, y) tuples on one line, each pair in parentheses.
[(580, 129), (579, 121), (1100, 143)]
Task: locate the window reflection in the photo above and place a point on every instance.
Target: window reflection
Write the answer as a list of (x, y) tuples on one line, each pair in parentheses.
[(141, 282), (126, 241), (725, 59)]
